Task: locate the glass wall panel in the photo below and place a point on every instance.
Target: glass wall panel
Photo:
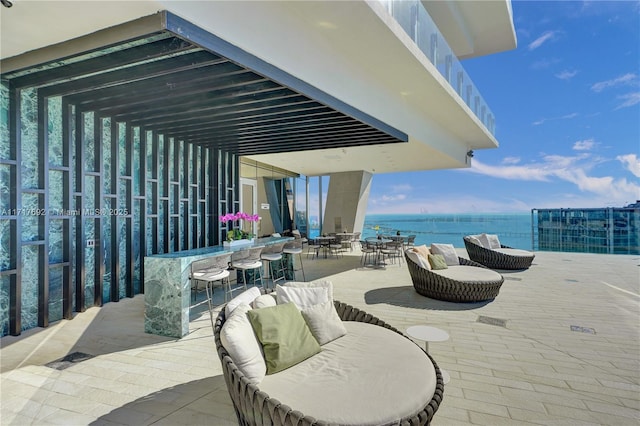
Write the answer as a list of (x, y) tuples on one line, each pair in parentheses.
[(30, 169), (5, 147), (89, 142), (151, 172), (138, 206), (136, 161), (123, 196), (123, 149), (160, 173), (31, 214), (301, 204), (89, 263), (54, 109), (6, 244), (56, 191), (90, 193), (7, 185), (150, 232), (123, 241), (160, 229), (5, 286), (30, 280), (55, 293), (108, 253), (56, 240), (106, 155), (72, 131)]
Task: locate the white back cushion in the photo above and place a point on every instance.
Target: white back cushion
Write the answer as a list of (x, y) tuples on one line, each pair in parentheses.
[(302, 297), (240, 341), (247, 297), (448, 252)]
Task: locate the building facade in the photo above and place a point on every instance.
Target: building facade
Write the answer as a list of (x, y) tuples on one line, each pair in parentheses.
[(607, 230), (127, 132)]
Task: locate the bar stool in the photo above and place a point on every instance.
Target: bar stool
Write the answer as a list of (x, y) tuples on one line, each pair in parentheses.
[(209, 271), (272, 254), (292, 248), (246, 260)]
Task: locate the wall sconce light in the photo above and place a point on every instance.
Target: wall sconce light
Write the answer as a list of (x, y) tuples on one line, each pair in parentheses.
[(470, 153)]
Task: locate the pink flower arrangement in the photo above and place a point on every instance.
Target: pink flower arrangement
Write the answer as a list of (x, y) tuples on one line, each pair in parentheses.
[(239, 234), (239, 216)]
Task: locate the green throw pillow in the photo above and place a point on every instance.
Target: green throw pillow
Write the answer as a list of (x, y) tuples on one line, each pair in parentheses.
[(437, 262), (285, 337)]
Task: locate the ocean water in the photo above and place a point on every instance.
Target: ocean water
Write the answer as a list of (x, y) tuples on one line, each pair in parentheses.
[(513, 229)]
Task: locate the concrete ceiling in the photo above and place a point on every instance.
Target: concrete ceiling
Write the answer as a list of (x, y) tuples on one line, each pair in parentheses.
[(352, 51)]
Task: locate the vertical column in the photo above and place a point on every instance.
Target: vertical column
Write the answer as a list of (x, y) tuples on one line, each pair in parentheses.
[(67, 197), (15, 257), (142, 220), (80, 224), (43, 222)]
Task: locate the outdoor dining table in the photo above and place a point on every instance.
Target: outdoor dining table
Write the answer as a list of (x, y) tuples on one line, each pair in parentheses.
[(379, 243), (325, 241)]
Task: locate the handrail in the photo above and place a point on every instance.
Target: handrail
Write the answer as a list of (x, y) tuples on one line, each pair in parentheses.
[(419, 26)]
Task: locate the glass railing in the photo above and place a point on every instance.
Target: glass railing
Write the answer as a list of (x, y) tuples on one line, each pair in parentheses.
[(416, 22)]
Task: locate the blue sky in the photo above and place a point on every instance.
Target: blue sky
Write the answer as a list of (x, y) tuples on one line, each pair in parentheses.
[(567, 107)]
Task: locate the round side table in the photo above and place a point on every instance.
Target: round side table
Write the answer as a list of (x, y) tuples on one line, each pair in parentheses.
[(427, 334)]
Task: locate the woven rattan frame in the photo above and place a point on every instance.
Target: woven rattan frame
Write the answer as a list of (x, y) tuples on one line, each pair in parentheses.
[(435, 286), (254, 407), (496, 260)]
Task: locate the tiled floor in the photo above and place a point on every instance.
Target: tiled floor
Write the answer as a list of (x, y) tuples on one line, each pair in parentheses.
[(559, 345)]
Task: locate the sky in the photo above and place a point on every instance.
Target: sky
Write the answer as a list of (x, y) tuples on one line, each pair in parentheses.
[(567, 108)]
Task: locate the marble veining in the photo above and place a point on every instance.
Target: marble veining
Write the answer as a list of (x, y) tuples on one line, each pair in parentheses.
[(167, 288)]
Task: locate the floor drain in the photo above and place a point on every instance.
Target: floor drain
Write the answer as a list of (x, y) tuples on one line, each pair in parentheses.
[(583, 329), (571, 281), (492, 321), (68, 361), (513, 278)]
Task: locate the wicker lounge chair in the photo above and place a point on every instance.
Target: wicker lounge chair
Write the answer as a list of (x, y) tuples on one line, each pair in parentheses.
[(431, 284), (255, 407), (506, 257)]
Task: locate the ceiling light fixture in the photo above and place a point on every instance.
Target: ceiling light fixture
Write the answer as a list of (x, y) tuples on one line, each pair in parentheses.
[(6, 3)]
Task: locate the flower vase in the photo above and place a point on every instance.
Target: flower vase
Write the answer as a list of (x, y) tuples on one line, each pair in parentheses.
[(238, 243)]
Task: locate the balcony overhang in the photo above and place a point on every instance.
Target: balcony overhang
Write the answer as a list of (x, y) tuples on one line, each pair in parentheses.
[(350, 57), (163, 73), (474, 28)]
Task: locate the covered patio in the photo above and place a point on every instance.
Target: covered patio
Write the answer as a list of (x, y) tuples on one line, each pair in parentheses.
[(559, 344)]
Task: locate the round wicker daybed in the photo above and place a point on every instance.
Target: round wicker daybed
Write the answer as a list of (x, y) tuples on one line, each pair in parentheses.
[(254, 406), (504, 257), (475, 284)]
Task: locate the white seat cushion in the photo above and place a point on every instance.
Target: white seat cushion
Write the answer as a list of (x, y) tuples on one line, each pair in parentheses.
[(271, 256), (370, 376), (514, 252), (468, 273), (247, 264), (215, 276)]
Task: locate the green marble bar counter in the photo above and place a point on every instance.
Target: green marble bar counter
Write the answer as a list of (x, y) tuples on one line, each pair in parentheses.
[(167, 290)]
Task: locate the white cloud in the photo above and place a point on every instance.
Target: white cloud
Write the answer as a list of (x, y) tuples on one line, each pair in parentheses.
[(573, 169), (630, 99), (401, 188), (563, 117), (394, 197), (547, 35), (452, 203), (631, 162), (511, 160), (566, 75), (544, 63), (585, 145), (626, 79)]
